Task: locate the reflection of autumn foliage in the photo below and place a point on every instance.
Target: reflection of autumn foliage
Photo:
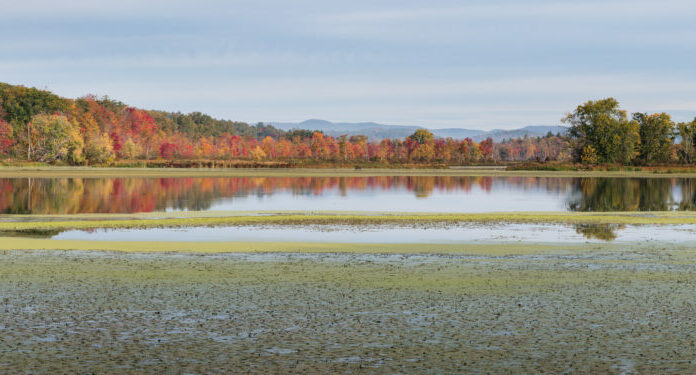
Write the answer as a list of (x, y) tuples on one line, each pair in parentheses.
[(122, 195)]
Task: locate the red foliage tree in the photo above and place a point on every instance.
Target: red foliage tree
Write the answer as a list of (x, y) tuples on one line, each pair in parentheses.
[(487, 148), (167, 150), (6, 140)]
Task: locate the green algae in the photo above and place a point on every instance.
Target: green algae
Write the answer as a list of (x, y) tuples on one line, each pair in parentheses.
[(606, 312), (67, 222), (17, 243)]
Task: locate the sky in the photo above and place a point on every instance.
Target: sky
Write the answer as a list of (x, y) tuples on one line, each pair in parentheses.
[(438, 64)]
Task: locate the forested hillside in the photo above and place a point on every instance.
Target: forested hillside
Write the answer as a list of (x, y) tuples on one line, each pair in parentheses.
[(39, 126)]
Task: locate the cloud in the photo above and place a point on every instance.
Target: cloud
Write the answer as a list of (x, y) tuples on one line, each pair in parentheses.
[(444, 63), (505, 103)]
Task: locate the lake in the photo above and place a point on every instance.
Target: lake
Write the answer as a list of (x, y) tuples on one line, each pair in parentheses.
[(379, 193), (452, 234)]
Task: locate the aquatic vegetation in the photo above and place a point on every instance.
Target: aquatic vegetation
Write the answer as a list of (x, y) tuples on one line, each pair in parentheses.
[(17, 243), (65, 222), (602, 312), (301, 307)]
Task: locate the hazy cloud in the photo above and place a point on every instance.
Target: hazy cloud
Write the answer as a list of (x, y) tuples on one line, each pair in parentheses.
[(487, 64)]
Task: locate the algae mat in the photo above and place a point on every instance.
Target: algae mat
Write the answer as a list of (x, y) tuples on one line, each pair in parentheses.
[(627, 311), (10, 223), (14, 243)]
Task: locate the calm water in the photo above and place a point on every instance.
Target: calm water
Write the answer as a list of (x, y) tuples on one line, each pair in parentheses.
[(386, 193), (466, 233)]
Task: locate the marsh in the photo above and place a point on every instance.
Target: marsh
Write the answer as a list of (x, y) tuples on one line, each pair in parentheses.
[(592, 311)]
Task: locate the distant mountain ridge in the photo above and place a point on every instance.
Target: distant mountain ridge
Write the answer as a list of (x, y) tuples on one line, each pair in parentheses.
[(380, 131)]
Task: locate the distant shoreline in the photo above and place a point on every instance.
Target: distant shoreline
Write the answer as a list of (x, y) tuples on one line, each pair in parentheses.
[(328, 171)]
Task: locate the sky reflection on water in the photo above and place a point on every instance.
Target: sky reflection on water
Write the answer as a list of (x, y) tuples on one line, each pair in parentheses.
[(383, 193)]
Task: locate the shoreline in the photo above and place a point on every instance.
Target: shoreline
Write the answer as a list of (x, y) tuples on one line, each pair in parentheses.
[(96, 172)]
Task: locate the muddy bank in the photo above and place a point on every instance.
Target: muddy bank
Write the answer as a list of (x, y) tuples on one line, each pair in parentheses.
[(602, 312)]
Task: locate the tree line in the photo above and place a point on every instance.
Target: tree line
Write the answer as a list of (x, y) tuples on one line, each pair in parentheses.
[(37, 125), (601, 132)]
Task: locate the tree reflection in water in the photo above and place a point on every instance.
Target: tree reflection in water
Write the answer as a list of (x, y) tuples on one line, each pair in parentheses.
[(125, 195), (630, 194), (604, 232)]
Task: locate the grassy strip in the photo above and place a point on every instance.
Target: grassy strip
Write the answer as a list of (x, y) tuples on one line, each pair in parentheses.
[(87, 172), (12, 243), (360, 219)]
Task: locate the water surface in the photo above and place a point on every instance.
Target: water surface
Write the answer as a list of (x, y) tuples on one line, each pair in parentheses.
[(463, 233), (381, 193)]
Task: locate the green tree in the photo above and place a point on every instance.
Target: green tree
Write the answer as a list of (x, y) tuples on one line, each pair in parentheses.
[(687, 133), (422, 136), (604, 126), (52, 137), (301, 134), (656, 136), (19, 104), (589, 155)]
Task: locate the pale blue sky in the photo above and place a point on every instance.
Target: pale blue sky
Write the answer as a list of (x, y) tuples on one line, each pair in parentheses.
[(472, 64)]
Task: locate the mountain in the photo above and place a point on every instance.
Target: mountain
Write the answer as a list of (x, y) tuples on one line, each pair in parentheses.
[(380, 131), (371, 129)]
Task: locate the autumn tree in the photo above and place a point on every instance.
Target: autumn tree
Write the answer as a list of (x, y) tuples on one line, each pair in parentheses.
[(6, 139), (167, 150), (130, 149), (99, 149), (423, 152), (257, 153), (386, 149), (53, 137), (589, 155), (141, 126), (486, 147)]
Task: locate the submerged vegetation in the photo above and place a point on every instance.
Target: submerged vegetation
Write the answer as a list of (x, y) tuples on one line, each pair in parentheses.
[(596, 312)]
